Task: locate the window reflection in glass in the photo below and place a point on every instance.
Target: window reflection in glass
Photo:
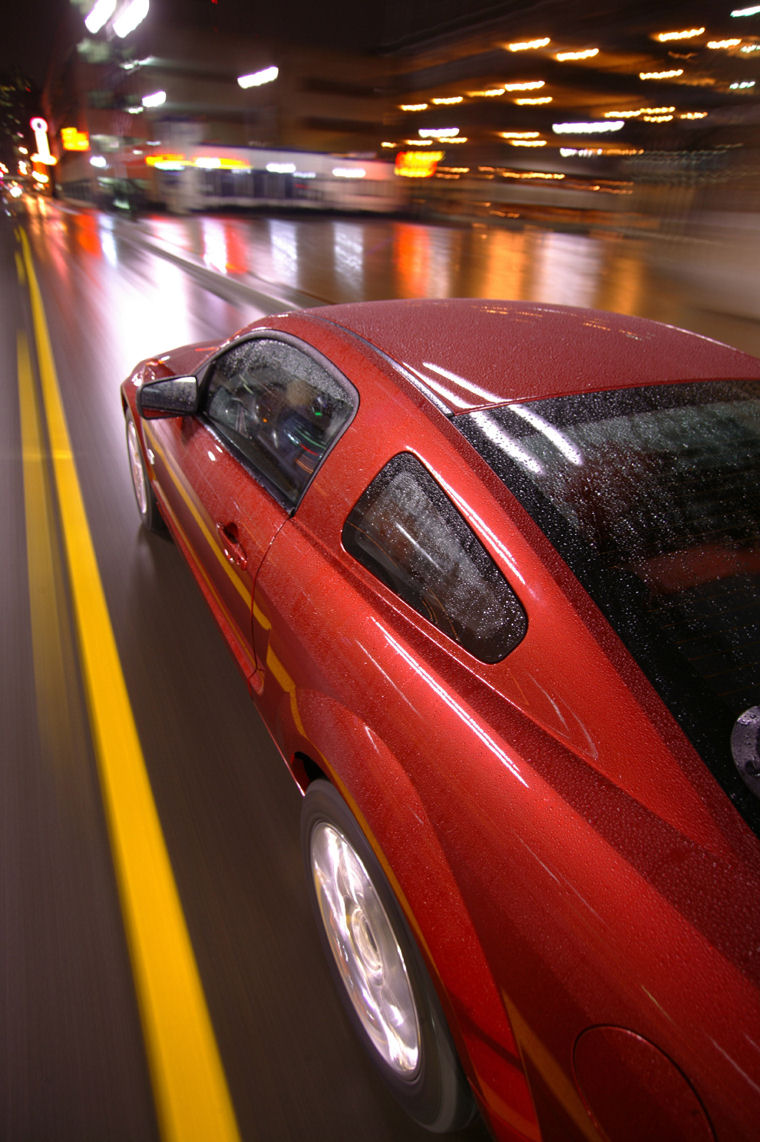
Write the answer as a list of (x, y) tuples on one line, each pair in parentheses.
[(279, 408), (409, 534)]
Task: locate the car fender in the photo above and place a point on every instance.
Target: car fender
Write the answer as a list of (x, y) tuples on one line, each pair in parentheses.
[(386, 804)]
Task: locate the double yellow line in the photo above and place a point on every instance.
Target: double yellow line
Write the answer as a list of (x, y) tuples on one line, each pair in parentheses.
[(192, 1100)]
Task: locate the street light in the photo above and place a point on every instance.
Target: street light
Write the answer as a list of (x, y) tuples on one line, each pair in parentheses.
[(129, 17), (130, 14), (117, 18), (100, 15)]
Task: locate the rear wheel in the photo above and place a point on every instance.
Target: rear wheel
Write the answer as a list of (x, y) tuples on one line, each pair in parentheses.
[(380, 974), (146, 501)]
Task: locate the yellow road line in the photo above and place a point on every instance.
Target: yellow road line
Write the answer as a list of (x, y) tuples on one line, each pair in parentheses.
[(190, 1089), (52, 654), (39, 544)]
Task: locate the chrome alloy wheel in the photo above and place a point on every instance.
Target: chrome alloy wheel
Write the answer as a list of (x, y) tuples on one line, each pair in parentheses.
[(139, 480), (366, 951)]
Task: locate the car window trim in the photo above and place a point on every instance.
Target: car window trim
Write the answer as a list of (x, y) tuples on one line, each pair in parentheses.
[(308, 350), (396, 595)]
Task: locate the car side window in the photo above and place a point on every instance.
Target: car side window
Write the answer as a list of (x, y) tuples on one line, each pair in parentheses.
[(408, 533), (279, 409)]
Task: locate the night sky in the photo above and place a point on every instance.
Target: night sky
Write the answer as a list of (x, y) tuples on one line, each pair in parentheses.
[(30, 27), (28, 33)]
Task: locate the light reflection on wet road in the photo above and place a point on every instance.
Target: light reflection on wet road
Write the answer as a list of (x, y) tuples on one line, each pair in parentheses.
[(703, 280), (354, 260)]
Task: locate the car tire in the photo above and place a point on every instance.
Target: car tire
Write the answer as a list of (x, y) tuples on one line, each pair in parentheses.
[(380, 975), (141, 485)]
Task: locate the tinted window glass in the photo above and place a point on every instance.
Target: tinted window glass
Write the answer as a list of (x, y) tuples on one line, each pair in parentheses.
[(409, 534), (280, 410), (651, 496)]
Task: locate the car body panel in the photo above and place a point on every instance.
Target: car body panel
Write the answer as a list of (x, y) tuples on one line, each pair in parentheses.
[(226, 519), (551, 350), (561, 851), (555, 771)]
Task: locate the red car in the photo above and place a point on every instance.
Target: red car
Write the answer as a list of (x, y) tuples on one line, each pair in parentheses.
[(492, 571)]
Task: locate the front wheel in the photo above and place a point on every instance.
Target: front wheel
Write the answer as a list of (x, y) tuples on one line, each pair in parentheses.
[(146, 500), (381, 978)]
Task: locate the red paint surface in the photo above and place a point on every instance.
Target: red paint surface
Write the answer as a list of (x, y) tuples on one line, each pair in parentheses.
[(564, 856)]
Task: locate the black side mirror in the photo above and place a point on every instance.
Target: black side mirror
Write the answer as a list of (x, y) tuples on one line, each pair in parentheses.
[(175, 396)]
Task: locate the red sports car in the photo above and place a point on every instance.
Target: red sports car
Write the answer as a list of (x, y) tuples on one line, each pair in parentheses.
[(492, 573)]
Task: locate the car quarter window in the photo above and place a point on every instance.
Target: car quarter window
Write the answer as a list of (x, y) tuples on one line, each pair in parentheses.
[(409, 534), (280, 410)]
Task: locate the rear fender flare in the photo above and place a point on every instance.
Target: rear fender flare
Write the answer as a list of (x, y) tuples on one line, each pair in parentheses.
[(386, 804)]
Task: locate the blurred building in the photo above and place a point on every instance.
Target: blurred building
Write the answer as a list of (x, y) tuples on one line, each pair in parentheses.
[(495, 110), (578, 114), (162, 111), (18, 105)]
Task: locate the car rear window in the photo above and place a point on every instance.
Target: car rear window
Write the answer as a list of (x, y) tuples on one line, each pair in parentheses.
[(409, 534), (651, 496)]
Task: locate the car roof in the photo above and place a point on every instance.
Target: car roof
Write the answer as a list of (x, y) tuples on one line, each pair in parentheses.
[(472, 353)]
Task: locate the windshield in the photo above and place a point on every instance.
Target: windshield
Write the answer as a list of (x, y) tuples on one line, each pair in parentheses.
[(651, 496)]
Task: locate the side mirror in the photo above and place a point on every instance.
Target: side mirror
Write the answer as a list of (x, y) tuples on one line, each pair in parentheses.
[(175, 396)]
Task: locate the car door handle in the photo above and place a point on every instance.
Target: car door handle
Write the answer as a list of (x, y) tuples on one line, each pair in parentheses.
[(231, 545)]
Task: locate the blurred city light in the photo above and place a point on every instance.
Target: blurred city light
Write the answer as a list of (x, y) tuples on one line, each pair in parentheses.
[(257, 78), (525, 85), (587, 128), (438, 132), (417, 164), (672, 73), (130, 17), (586, 53), (639, 111), (687, 34), (100, 15), (40, 128), (155, 99), (529, 45), (73, 139)]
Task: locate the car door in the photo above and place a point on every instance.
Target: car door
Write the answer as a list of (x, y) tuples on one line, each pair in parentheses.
[(230, 477)]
